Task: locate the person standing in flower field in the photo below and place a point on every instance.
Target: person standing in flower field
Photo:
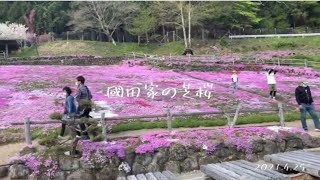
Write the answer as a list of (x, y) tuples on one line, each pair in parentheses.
[(272, 82), (304, 100), (234, 78)]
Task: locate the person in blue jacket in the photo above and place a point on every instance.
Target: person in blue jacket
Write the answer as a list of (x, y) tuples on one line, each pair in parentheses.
[(69, 108)]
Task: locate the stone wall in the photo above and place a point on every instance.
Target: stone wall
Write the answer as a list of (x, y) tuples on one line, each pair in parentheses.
[(176, 159), (73, 61)]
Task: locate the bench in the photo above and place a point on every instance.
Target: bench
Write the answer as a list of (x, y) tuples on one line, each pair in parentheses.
[(165, 175), (241, 169), (303, 161)]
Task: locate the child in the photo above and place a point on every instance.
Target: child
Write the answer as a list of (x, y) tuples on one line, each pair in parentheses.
[(272, 83), (234, 79)]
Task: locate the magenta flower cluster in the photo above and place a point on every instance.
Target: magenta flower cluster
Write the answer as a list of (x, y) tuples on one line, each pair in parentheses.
[(241, 138), (38, 165)]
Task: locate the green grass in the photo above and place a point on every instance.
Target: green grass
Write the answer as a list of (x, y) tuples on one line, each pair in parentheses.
[(107, 49), (194, 121), (246, 45), (104, 49)]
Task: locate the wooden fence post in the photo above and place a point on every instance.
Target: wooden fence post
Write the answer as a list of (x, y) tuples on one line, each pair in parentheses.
[(236, 115), (281, 115), (169, 120), (104, 127), (305, 63), (228, 119), (27, 130)]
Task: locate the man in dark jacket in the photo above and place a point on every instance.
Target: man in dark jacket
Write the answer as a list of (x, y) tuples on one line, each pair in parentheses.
[(304, 99), (83, 97)]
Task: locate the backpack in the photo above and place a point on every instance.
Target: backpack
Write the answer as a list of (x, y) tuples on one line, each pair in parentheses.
[(89, 93)]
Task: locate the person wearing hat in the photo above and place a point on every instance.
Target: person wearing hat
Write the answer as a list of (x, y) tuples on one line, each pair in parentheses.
[(304, 100), (234, 78)]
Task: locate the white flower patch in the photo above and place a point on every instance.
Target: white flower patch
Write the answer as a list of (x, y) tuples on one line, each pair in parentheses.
[(205, 147), (124, 166), (277, 128)]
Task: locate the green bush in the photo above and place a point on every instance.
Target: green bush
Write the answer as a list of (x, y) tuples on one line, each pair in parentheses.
[(223, 42), (49, 139), (280, 45), (196, 121), (55, 115)]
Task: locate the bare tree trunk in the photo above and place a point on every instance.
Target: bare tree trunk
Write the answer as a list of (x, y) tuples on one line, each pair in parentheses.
[(183, 26), (147, 37), (189, 18), (202, 33), (110, 38), (164, 32), (138, 40)]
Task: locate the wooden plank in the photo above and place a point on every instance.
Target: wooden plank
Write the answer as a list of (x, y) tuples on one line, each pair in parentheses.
[(270, 172), (291, 164), (141, 177), (243, 171), (169, 175), (160, 176), (213, 174), (121, 178), (150, 176), (217, 172), (299, 160), (308, 154), (255, 169), (305, 155), (132, 177)]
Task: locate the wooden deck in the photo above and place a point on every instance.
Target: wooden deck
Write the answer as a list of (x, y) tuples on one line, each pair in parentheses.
[(165, 175), (240, 170), (305, 161)]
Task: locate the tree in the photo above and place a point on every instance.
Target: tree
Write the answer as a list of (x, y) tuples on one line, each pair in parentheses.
[(171, 13), (13, 31), (245, 14), (142, 24), (106, 16)]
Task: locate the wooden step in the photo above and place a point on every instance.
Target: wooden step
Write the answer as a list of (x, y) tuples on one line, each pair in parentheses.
[(165, 175), (302, 161), (235, 170)]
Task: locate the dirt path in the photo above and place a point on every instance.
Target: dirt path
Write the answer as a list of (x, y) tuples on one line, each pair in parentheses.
[(9, 150)]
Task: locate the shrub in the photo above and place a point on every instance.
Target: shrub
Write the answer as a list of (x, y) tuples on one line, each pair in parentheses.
[(285, 45), (85, 103), (223, 42), (55, 115)]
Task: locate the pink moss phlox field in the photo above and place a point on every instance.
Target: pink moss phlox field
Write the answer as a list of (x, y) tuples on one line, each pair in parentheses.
[(36, 91), (206, 140)]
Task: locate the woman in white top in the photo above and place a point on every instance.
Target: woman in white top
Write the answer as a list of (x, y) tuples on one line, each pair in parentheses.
[(272, 82)]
